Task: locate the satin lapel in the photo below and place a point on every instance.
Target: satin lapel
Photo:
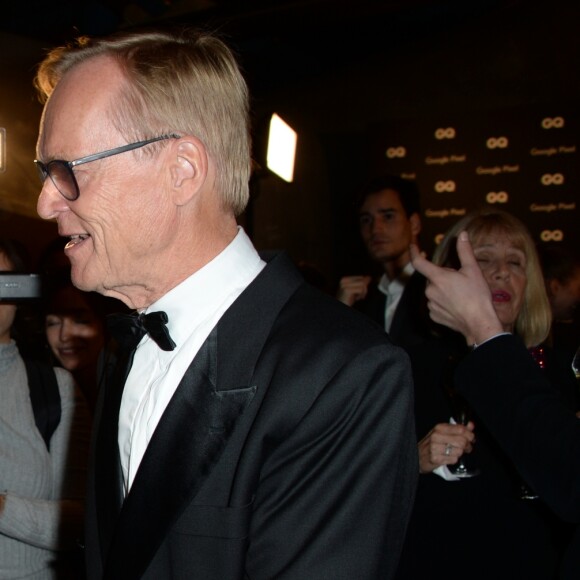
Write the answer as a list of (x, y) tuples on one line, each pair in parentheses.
[(198, 422), (244, 330), (108, 478)]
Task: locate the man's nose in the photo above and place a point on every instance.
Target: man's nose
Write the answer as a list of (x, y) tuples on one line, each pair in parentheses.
[(377, 225), (50, 201)]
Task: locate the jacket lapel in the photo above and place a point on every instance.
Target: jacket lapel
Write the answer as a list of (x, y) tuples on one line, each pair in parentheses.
[(195, 427), (108, 478), (198, 421)]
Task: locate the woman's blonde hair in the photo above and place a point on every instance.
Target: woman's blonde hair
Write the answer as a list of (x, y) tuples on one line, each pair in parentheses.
[(184, 82), (534, 319)]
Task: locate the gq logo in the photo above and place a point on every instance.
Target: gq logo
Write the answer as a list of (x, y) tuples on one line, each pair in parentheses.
[(497, 143), (552, 122), (393, 152), (443, 186), (552, 235), (445, 133), (552, 179), (497, 197)]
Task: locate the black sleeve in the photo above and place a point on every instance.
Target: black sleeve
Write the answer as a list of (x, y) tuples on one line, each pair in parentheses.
[(528, 418)]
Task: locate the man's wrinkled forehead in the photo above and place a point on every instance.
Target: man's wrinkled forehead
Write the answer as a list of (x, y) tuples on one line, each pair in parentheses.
[(79, 105)]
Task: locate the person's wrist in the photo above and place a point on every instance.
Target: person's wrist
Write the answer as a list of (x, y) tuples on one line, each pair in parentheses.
[(480, 331), (490, 338)]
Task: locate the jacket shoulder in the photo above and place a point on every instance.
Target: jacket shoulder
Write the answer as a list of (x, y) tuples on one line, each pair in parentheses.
[(322, 317)]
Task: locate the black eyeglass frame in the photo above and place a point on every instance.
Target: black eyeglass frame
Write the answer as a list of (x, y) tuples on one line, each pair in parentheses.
[(44, 168)]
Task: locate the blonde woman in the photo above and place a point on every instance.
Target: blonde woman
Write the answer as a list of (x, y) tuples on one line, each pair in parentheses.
[(481, 525)]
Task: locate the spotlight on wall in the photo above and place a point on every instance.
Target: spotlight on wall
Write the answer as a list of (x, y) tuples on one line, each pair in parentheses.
[(2, 149), (281, 150)]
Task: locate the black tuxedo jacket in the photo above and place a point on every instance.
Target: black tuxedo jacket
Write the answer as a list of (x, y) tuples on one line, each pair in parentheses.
[(287, 451), (532, 423), (410, 325)]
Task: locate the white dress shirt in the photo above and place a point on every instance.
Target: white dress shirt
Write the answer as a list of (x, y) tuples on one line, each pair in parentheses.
[(393, 290), (194, 307)]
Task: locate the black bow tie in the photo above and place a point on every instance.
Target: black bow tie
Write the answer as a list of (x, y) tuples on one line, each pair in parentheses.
[(129, 329)]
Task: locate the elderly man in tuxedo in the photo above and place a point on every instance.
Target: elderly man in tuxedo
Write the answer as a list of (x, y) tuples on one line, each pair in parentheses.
[(250, 427)]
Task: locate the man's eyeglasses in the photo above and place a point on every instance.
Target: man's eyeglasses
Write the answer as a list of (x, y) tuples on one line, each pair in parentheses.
[(61, 172)]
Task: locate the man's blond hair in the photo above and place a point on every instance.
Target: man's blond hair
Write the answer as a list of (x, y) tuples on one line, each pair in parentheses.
[(185, 82)]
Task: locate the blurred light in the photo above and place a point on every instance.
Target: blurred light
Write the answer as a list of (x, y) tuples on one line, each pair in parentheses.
[(2, 149), (281, 148)]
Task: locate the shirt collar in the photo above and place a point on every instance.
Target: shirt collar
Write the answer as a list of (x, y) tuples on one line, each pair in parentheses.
[(202, 293), (387, 286)]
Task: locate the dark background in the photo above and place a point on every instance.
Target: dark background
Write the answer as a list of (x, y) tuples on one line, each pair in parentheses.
[(355, 79)]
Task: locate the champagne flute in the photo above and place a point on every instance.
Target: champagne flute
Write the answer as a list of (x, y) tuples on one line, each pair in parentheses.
[(462, 415), (576, 363)]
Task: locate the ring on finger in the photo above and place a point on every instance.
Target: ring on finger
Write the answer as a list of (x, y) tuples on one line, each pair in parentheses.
[(448, 448)]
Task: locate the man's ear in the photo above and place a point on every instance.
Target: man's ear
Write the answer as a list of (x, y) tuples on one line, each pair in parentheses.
[(415, 221), (189, 169)]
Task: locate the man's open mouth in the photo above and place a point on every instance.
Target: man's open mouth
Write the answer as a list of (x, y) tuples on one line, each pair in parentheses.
[(76, 239)]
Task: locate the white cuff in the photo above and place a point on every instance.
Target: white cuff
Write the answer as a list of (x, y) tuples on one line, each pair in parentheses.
[(474, 345)]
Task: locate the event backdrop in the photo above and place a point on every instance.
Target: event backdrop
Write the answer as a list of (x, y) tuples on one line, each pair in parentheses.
[(524, 161)]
